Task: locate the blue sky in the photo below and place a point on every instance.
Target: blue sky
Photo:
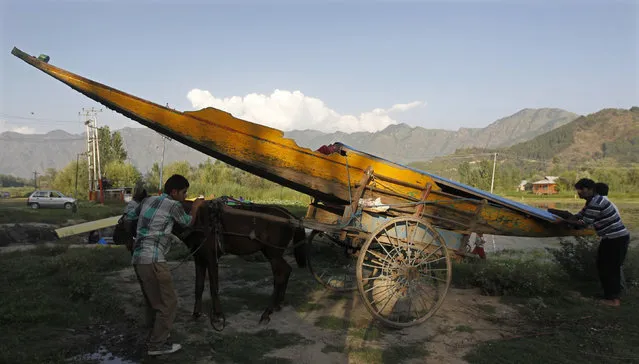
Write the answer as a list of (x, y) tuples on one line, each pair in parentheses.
[(460, 63)]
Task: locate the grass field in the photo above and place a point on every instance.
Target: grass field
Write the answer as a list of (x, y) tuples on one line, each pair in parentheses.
[(15, 210), (57, 302)]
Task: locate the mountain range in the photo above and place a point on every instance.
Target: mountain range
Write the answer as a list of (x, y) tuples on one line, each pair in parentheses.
[(606, 139), (22, 154)]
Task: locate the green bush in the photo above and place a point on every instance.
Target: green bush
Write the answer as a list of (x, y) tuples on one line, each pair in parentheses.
[(579, 258), (522, 277)]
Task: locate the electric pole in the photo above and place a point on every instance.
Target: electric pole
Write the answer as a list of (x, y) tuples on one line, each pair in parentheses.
[(93, 152), (35, 180), (77, 166), (492, 182), (164, 139)]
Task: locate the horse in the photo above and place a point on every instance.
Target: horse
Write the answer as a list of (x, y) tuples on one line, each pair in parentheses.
[(216, 233)]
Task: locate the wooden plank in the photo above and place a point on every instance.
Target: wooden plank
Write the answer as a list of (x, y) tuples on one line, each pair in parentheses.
[(420, 208), (87, 226)]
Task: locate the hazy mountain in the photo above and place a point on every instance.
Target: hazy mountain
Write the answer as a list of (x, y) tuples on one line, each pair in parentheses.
[(22, 154), (402, 143), (608, 138)]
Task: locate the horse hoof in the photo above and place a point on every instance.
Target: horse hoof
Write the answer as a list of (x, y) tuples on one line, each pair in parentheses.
[(265, 320), (217, 321), (196, 315)]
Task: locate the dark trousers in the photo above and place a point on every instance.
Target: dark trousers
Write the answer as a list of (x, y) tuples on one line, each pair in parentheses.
[(610, 257)]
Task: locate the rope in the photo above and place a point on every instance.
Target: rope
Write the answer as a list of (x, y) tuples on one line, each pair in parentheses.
[(188, 257)]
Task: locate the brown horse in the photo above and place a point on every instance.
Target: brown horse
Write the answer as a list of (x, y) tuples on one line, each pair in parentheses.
[(216, 233)]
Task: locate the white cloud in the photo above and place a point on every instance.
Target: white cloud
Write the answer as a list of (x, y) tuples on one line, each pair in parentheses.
[(286, 110), (4, 126)]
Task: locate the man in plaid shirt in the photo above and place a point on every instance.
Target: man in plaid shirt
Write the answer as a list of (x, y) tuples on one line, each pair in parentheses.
[(156, 217)]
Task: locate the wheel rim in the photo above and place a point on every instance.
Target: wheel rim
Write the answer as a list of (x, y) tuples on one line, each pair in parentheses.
[(329, 264), (404, 272)]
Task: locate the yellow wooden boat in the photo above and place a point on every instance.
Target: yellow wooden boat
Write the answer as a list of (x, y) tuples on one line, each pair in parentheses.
[(332, 179)]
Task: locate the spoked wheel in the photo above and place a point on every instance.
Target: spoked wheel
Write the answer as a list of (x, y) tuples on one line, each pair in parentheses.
[(403, 272), (330, 262)]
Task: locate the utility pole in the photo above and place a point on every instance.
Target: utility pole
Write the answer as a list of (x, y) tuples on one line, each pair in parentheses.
[(93, 153), (77, 166), (35, 180), (164, 139), (492, 182)]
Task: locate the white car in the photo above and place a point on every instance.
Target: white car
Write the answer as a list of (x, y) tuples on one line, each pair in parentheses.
[(51, 199)]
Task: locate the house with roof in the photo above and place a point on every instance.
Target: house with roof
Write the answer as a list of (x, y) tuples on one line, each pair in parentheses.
[(546, 186)]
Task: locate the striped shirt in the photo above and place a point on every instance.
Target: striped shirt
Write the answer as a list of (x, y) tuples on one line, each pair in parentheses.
[(604, 216), (156, 216)]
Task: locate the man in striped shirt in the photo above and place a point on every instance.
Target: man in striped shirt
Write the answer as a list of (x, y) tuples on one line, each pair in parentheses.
[(603, 215), (156, 217)]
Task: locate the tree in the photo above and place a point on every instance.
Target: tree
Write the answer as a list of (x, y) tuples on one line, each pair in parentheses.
[(46, 180), (122, 174), (65, 180), (182, 167), (111, 146)]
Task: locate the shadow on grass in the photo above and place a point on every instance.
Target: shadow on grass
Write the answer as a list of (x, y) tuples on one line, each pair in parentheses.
[(49, 295)]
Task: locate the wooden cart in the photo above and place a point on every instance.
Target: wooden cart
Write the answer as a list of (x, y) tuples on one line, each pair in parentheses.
[(388, 230)]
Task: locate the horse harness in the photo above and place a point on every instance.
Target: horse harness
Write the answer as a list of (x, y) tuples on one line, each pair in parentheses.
[(215, 215)]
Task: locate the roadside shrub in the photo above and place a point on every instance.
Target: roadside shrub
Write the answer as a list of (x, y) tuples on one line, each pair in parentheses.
[(510, 277), (577, 258)]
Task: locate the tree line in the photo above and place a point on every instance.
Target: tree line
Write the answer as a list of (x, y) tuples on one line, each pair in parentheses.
[(215, 178), (210, 178)]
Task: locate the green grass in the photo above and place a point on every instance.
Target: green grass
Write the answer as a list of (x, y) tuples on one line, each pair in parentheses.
[(464, 328), (45, 291), (251, 348), (16, 210), (564, 322), (569, 330), (332, 323)]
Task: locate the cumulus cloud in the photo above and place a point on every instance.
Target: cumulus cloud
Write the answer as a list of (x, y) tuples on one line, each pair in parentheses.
[(4, 126), (286, 110)]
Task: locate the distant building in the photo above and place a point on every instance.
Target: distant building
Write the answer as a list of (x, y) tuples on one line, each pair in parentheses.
[(522, 186), (546, 186)]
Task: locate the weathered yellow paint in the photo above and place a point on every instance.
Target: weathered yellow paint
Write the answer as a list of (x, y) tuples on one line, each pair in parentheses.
[(265, 152)]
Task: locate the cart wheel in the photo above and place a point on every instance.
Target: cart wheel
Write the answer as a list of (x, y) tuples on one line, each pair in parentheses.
[(403, 272), (330, 263)]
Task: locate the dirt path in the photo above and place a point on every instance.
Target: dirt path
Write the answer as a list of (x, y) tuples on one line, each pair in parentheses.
[(315, 326)]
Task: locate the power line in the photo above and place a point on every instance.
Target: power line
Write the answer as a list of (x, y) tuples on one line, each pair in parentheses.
[(26, 140), (38, 119)]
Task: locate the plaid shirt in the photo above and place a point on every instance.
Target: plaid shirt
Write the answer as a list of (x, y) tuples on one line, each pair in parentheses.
[(156, 216)]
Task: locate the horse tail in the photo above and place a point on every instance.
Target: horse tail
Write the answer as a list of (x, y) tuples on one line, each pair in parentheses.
[(300, 247)]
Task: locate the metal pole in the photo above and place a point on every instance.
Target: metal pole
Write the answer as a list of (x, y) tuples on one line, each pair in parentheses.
[(492, 182), (90, 178), (162, 165), (95, 160), (97, 147), (77, 165)]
